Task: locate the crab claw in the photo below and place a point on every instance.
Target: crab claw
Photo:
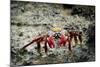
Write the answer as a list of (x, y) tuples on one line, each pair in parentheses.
[(50, 41), (62, 41)]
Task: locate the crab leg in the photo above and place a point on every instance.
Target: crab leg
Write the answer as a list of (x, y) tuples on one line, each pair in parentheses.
[(45, 47), (75, 39), (38, 47), (32, 42), (69, 46), (80, 37)]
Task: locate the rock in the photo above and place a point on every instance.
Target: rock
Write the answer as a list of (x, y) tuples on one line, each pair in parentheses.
[(29, 19)]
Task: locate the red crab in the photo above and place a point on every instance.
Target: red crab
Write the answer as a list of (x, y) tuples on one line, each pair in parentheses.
[(63, 39)]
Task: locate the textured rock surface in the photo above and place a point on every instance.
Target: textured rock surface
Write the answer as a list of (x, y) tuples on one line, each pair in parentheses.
[(29, 19)]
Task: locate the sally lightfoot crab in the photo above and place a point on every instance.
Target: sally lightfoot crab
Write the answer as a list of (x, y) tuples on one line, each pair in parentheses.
[(64, 38)]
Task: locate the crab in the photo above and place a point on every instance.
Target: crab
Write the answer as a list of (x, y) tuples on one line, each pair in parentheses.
[(64, 38)]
